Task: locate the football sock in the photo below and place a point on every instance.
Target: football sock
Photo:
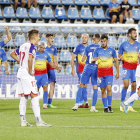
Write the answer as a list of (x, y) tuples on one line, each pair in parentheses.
[(109, 98), (94, 97), (84, 94), (123, 94), (22, 107), (49, 101), (104, 100), (45, 97), (36, 108), (132, 92), (79, 94), (132, 98), (81, 100)]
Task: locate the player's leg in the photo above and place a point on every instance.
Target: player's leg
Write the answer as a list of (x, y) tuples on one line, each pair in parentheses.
[(23, 3), (52, 81), (15, 5), (131, 16), (84, 95), (125, 13)]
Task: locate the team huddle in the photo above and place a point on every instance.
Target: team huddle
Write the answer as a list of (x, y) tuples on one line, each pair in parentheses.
[(92, 61)]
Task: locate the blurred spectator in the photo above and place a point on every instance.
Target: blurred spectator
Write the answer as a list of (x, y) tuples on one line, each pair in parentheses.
[(29, 4), (114, 11), (23, 3), (126, 9)]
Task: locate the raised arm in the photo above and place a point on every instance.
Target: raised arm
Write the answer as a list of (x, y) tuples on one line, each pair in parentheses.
[(8, 35)]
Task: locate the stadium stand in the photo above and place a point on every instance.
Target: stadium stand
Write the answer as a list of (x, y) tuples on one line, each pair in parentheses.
[(9, 13), (47, 13), (21, 13)]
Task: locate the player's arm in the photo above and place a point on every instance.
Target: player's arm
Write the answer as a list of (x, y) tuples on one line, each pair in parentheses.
[(120, 53), (55, 60), (6, 67), (116, 64), (8, 35), (14, 55), (72, 63), (55, 66), (30, 63), (84, 58), (95, 56)]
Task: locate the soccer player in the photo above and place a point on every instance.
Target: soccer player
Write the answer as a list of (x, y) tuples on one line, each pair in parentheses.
[(90, 70), (77, 53), (105, 56), (128, 54), (52, 51), (137, 93), (40, 70), (26, 80)]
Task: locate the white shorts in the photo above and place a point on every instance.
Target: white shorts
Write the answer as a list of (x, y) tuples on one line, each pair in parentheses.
[(137, 83), (27, 86)]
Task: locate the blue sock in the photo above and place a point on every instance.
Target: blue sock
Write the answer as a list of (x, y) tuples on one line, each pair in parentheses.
[(81, 100), (109, 98), (50, 101), (104, 100), (79, 94), (132, 92), (45, 97), (94, 97), (123, 94), (84, 94)]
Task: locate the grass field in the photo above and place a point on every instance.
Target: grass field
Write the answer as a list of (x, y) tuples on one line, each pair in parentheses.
[(68, 124)]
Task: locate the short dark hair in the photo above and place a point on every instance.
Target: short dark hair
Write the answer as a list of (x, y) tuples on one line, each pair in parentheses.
[(130, 30), (32, 32), (97, 35), (49, 34), (104, 36)]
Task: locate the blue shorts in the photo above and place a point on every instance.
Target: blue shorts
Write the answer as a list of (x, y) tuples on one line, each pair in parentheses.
[(104, 81), (51, 76), (89, 71), (41, 80), (129, 74), (79, 75)]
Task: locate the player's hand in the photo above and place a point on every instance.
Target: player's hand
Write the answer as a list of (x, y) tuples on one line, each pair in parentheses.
[(126, 7), (122, 58), (73, 72), (6, 28), (139, 55), (7, 72), (59, 69), (31, 73), (93, 60), (117, 76)]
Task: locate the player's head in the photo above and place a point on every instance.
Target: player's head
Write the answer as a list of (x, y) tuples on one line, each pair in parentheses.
[(41, 46), (96, 38), (132, 33), (114, 1), (125, 1), (85, 38), (33, 36), (50, 38), (104, 40)]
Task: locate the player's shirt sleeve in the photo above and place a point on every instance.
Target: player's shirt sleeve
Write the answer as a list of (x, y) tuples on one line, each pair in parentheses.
[(85, 52), (49, 58), (110, 5), (4, 57), (95, 53), (2, 44), (55, 52), (32, 50), (17, 51), (76, 50), (114, 54), (121, 49)]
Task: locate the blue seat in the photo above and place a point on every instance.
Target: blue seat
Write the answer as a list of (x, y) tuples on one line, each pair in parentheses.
[(9, 12), (112, 42), (80, 2), (47, 13), (98, 14), (86, 13), (65, 56), (66, 29), (15, 29), (69, 69), (118, 30), (42, 29), (105, 29), (43, 2), (22, 13), (121, 40), (79, 29), (92, 30), (1, 16), (107, 14), (2, 27), (15, 69), (72, 41), (68, 2), (133, 2), (10, 43), (73, 13), (54, 29), (138, 2), (94, 2), (60, 73), (25, 29), (19, 40), (60, 13), (9, 57), (105, 2), (55, 2), (43, 38), (136, 13), (59, 42), (34, 13), (5, 2)]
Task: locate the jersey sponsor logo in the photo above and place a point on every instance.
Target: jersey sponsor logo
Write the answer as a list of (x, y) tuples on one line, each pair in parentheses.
[(136, 47), (110, 52), (45, 56), (52, 49), (92, 48)]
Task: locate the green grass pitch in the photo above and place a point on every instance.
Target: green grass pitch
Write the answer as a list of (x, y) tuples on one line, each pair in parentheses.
[(68, 124)]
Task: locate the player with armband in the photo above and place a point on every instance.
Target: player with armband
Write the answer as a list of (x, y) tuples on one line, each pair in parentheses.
[(26, 79), (90, 70), (105, 56), (77, 53), (128, 54)]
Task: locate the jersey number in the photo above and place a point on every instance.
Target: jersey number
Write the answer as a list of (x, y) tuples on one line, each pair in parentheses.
[(22, 55), (90, 56)]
